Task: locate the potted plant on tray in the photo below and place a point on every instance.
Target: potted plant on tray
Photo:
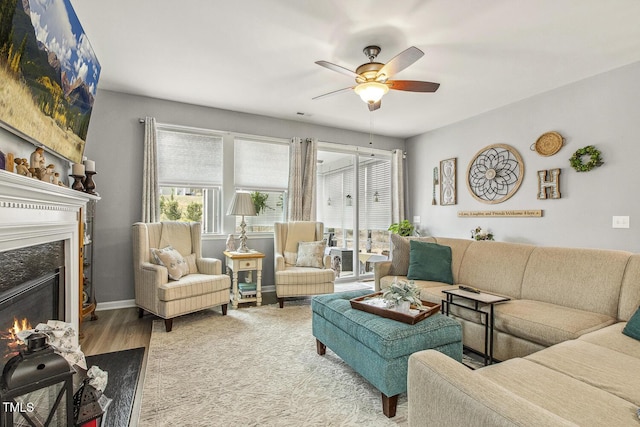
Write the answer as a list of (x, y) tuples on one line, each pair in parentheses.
[(401, 295)]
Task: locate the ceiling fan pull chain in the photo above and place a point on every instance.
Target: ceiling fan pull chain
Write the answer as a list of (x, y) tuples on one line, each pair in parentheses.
[(371, 129)]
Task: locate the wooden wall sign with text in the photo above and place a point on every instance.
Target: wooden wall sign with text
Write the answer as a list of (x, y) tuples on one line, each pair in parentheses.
[(527, 213)]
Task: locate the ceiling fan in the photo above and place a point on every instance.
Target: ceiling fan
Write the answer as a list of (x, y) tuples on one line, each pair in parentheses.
[(372, 78)]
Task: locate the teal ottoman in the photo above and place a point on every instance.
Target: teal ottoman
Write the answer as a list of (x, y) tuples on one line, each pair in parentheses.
[(376, 347)]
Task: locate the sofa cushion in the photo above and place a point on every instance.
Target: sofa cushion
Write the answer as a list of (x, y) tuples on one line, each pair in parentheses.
[(430, 261), (386, 281), (613, 338), (400, 251), (560, 394), (311, 254), (544, 323), (301, 276), (583, 279), (193, 285), (495, 267), (633, 326), (601, 367)]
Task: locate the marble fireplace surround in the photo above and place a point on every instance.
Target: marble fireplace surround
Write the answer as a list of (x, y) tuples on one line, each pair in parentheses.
[(33, 212)]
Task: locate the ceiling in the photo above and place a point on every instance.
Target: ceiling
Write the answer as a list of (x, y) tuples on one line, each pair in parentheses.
[(257, 56)]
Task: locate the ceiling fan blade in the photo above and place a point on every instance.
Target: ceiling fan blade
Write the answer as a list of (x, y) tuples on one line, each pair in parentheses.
[(413, 85), (335, 92), (337, 68), (399, 62), (374, 106)]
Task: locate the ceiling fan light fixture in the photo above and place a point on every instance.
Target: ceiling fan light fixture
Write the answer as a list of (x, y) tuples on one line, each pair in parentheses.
[(371, 92)]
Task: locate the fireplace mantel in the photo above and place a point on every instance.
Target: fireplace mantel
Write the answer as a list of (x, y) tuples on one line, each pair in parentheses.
[(34, 212)]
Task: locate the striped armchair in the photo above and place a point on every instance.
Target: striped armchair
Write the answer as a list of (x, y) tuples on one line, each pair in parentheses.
[(291, 279), (203, 286)]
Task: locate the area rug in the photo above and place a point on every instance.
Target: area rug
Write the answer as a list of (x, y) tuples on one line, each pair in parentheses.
[(123, 368), (257, 366)]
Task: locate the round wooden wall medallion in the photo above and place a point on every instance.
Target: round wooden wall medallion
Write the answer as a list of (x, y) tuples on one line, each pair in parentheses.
[(495, 173)]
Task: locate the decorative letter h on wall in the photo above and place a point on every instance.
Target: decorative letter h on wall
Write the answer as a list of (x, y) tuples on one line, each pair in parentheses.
[(551, 186)]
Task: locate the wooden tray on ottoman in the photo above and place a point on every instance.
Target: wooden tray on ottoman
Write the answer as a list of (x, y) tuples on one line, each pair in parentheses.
[(361, 303)]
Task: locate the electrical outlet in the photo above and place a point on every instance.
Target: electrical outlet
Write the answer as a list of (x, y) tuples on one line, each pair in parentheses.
[(620, 222), (416, 219)]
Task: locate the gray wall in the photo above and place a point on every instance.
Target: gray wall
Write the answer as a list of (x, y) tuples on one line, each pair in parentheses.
[(115, 142), (601, 111)]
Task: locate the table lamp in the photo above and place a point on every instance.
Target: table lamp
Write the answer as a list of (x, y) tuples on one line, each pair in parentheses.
[(242, 205)]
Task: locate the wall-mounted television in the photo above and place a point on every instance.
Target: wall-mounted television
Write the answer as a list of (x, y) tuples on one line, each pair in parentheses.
[(48, 75)]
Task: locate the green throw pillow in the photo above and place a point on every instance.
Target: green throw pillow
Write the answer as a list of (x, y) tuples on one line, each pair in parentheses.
[(633, 326), (430, 261)]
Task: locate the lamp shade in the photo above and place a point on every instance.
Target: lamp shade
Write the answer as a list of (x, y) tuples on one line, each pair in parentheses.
[(371, 92), (242, 205)]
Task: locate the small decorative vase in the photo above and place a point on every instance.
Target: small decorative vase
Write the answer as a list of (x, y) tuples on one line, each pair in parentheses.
[(403, 306)]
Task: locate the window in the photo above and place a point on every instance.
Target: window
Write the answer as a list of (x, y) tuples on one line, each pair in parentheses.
[(262, 168), (190, 176)]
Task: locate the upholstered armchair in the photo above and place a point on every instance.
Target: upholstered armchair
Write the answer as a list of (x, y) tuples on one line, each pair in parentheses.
[(300, 265), (171, 277)]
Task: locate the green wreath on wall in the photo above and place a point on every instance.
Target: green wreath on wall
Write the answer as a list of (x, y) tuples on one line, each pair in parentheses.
[(594, 159)]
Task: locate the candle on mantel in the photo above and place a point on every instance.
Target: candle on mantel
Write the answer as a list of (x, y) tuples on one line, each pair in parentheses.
[(77, 169), (89, 165)]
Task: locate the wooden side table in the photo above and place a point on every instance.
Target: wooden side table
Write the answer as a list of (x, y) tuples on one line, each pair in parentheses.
[(244, 261)]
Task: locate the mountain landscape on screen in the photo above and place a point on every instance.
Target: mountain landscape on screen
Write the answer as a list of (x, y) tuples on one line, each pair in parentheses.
[(49, 74)]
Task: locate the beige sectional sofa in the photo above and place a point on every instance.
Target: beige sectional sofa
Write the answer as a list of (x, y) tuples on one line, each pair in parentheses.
[(565, 359)]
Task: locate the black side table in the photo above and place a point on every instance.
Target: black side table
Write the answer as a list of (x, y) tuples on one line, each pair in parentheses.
[(479, 300)]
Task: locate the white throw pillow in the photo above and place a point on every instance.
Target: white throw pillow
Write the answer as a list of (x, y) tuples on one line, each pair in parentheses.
[(311, 254), (176, 265)]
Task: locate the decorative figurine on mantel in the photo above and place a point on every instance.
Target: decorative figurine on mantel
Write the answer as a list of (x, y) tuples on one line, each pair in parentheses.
[(47, 176), (38, 163), (22, 167)]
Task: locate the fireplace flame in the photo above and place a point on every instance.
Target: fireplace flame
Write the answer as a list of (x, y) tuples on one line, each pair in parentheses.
[(19, 326), (11, 334)]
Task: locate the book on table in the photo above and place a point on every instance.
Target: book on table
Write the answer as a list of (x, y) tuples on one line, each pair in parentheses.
[(247, 290)]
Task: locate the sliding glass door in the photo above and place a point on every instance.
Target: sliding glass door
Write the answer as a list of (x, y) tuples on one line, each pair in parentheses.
[(354, 203)]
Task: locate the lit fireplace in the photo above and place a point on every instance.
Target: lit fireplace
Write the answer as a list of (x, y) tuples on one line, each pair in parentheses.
[(10, 336), (29, 303)]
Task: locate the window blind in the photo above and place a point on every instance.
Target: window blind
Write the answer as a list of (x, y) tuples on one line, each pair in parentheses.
[(189, 158), (375, 194), (261, 165)]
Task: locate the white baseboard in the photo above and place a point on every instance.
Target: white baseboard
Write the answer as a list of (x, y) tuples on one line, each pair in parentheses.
[(113, 305)]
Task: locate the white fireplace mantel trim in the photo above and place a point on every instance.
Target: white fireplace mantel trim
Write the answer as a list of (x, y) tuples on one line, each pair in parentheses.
[(34, 212)]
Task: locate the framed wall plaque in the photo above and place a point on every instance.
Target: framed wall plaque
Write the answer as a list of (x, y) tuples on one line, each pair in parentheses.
[(448, 193)]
